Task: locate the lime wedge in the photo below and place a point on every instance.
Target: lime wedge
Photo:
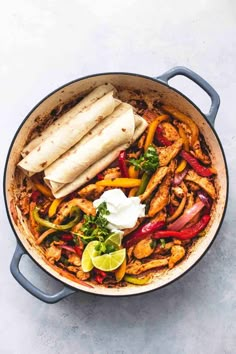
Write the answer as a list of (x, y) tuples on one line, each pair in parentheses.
[(88, 253), (114, 240), (110, 261)]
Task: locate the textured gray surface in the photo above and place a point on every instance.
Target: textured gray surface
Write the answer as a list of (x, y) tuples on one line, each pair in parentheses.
[(47, 43)]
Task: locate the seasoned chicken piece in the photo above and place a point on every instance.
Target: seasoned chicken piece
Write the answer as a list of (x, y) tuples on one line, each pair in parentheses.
[(162, 196), (190, 201), (74, 259), (91, 192), (150, 116), (72, 269), (193, 186), (154, 181), (129, 253), (77, 227), (137, 267), (203, 182), (177, 253), (24, 203), (169, 131), (79, 272), (199, 153), (141, 141), (82, 275), (161, 216), (163, 249), (178, 191), (143, 248), (53, 254), (85, 205), (166, 154), (112, 173)]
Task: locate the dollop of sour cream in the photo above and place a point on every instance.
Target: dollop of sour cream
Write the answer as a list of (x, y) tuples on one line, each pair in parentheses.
[(124, 212)]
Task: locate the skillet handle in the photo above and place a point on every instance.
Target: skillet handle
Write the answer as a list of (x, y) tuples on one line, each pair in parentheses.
[(27, 285), (181, 70)]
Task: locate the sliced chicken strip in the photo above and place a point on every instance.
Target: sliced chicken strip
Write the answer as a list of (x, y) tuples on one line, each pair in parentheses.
[(137, 267), (169, 131), (203, 182), (161, 198), (199, 153), (177, 253), (166, 154), (154, 181)]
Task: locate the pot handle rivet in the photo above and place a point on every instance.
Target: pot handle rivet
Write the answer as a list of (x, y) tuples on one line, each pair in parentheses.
[(181, 70), (27, 285)]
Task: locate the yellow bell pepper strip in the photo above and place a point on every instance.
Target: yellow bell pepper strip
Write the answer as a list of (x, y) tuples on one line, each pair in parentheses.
[(152, 129), (179, 210), (120, 182), (183, 163), (133, 173), (138, 281), (144, 182), (183, 135), (53, 207), (75, 211), (185, 119), (43, 189), (120, 272), (132, 192)]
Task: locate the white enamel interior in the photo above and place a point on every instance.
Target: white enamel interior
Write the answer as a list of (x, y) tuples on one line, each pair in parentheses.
[(165, 95)]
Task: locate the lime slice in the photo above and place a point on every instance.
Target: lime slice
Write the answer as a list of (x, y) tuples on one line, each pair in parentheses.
[(114, 240), (110, 261), (88, 253)]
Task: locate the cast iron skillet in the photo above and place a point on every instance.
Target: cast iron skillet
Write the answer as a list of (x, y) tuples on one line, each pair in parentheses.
[(163, 80)]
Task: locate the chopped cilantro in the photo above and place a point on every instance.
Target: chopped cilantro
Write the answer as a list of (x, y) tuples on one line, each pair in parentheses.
[(95, 227), (148, 162)]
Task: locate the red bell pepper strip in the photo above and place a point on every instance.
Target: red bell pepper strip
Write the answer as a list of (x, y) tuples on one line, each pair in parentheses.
[(100, 176), (78, 250), (35, 196), (193, 162), (122, 164), (161, 138), (66, 237), (142, 232), (99, 275), (186, 233)]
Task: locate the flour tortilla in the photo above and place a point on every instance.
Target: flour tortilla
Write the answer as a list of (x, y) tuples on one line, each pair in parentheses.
[(62, 190), (116, 130), (68, 135), (50, 173), (87, 101)]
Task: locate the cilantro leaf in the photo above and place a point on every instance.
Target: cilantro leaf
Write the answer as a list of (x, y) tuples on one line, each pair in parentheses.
[(95, 227), (148, 162)]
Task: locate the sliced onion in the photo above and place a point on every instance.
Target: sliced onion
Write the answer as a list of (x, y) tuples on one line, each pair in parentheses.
[(68, 248), (186, 217), (204, 197), (178, 177)]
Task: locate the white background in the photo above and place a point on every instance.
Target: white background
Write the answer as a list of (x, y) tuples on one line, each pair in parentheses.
[(44, 44)]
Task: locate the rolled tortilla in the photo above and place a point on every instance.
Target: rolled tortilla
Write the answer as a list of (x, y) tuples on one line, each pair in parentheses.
[(50, 177), (93, 170), (87, 101), (90, 173), (116, 130), (67, 135)]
